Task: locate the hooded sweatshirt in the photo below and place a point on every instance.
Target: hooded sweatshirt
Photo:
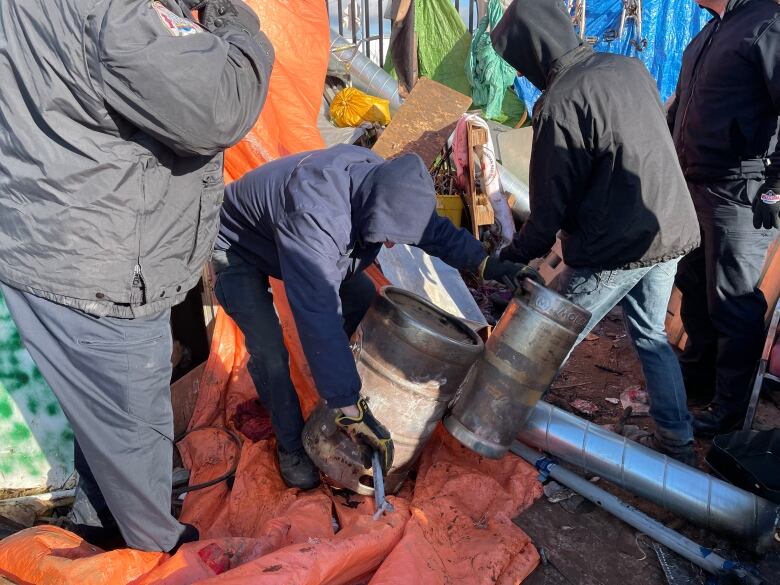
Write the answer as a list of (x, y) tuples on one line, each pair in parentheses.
[(315, 219), (726, 113), (603, 166)]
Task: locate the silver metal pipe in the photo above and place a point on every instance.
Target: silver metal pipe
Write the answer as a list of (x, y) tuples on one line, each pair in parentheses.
[(366, 75), (521, 203), (685, 547), (688, 492)]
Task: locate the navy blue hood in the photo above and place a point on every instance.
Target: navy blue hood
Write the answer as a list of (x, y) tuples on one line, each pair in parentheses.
[(394, 202)]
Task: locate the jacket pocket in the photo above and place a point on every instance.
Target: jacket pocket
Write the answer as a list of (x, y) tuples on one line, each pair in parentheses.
[(211, 196)]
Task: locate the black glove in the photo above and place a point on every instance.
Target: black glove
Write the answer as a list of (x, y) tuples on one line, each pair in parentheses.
[(503, 271), (367, 430), (218, 15), (766, 206)]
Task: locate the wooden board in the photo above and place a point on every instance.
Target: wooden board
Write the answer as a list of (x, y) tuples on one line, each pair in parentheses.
[(424, 122)]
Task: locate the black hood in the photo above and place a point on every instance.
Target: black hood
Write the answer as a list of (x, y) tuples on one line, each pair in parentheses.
[(394, 202), (731, 5), (532, 35)]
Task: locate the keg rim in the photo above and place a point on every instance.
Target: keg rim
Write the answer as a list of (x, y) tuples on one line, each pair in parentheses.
[(474, 340)]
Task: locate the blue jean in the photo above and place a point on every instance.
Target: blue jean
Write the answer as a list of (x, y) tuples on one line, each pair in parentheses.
[(243, 291), (644, 295)]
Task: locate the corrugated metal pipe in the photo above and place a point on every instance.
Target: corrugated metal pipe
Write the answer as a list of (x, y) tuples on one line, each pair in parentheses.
[(520, 202), (366, 75), (703, 557), (690, 493)]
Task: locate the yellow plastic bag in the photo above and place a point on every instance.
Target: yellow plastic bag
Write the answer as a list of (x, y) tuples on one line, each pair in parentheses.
[(351, 107)]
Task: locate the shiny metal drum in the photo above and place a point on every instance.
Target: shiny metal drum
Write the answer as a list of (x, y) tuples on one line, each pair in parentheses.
[(521, 359), (411, 357)]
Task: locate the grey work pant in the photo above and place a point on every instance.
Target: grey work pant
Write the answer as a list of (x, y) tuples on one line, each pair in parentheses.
[(722, 306), (112, 379)]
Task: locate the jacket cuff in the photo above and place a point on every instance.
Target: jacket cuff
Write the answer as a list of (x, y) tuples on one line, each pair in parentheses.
[(512, 254)]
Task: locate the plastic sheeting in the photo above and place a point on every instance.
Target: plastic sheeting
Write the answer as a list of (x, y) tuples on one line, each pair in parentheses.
[(668, 26), (298, 30), (443, 50), (453, 525)]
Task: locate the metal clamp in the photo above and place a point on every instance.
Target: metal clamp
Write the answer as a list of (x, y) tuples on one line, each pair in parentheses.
[(577, 11), (632, 10)]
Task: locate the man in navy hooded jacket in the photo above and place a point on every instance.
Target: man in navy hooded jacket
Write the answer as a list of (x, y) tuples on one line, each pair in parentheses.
[(317, 220)]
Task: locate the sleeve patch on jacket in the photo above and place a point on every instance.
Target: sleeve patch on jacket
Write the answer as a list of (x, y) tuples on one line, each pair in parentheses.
[(175, 25)]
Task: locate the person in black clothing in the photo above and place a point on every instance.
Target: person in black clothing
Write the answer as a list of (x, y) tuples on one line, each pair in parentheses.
[(604, 172), (724, 121)]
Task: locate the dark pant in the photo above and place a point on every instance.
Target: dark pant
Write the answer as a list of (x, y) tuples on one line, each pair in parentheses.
[(244, 293), (112, 378), (722, 308)]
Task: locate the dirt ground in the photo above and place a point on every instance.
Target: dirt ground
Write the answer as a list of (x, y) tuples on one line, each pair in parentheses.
[(582, 543)]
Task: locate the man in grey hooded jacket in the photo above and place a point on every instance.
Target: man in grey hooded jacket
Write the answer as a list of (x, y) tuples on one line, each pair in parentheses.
[(113, 118)]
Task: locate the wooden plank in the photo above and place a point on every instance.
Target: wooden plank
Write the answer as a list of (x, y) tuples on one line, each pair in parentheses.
[(674, 326), (424, 122)]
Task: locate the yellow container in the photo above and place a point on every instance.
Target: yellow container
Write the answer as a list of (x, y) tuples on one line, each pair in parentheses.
[(450, 206)]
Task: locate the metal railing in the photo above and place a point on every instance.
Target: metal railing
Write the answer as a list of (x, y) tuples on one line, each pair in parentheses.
[(363, 22)]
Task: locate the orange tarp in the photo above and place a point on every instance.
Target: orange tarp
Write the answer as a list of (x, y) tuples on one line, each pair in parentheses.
[(451, 525), (298, 30)]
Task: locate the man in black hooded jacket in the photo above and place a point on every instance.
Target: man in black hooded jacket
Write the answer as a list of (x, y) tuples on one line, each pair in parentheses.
[(724, 121), (604, 172), (316, 221)]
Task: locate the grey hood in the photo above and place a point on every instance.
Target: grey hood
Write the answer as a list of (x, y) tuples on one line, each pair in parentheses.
[(532, 35)]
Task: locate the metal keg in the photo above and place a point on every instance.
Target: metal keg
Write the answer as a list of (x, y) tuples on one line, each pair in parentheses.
[(411, 357), (521, 359)]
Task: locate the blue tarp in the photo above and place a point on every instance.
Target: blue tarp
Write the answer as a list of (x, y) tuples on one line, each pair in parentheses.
[(668, 26)]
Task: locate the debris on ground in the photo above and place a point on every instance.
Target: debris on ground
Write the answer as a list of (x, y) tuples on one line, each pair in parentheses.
[(555, 492), (637, 399), (585, 407)]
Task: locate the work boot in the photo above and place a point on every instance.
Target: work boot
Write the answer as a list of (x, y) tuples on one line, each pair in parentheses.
[(717, 420), (107, 538), (682, 453), (297, 469), (190, 534)]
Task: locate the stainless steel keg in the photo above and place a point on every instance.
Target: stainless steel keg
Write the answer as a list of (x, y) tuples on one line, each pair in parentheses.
[(521, 359), (411, 357)]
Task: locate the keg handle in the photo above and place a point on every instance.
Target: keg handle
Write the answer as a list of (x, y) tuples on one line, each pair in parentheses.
[(520, 287)]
